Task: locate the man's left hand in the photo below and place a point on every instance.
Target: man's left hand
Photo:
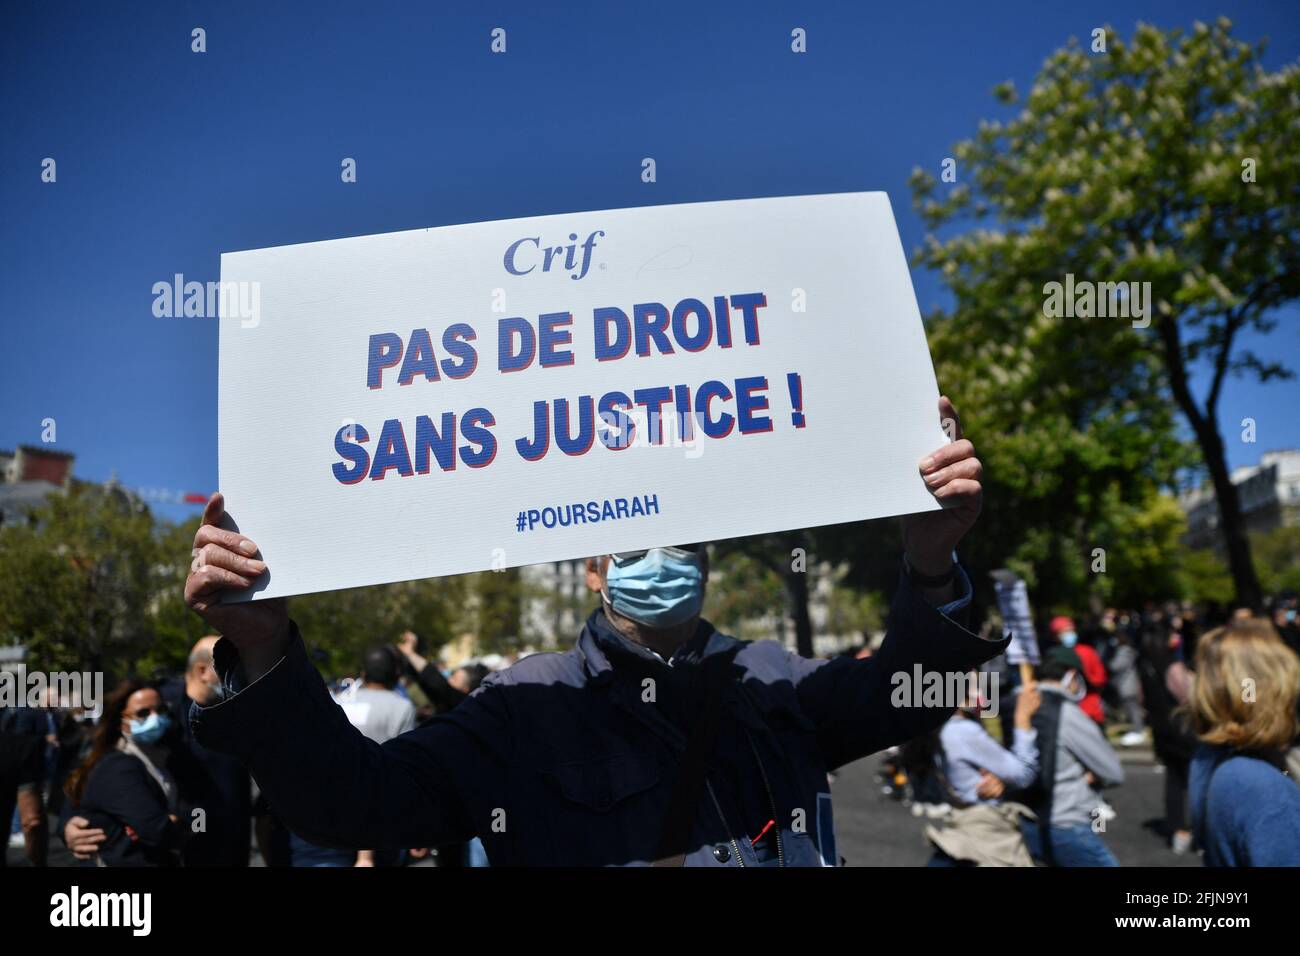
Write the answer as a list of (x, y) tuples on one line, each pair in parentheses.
[(952, 473)]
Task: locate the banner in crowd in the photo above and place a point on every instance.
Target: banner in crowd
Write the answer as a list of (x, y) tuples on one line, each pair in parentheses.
[(1013, 603)]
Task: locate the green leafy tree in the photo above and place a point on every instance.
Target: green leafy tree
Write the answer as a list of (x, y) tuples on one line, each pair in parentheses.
[(78, 580), (784, 557), (498, 600), (1205, 578), (1277, 556), (1140, 552), (175, 627), (743, 588), (1168, 160), (339, 626), (94, 581), (853, 612)]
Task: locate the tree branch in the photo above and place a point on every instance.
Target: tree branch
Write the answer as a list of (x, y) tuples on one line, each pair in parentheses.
[(1232, 323)]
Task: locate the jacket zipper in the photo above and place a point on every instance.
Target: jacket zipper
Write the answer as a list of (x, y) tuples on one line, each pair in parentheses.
[(771, 801), (735, 847)]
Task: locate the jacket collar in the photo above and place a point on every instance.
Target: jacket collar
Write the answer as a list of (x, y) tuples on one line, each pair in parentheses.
[(603, 648)]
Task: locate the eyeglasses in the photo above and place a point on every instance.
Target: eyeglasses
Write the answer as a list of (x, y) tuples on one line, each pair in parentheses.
[(677, 551), (144, 712)]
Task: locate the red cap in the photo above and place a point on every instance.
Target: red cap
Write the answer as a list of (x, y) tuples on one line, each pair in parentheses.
[(1062, 623)]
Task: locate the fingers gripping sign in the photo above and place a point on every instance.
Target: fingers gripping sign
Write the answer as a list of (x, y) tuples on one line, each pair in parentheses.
[(223, 560), (226, 562), (952, 474)]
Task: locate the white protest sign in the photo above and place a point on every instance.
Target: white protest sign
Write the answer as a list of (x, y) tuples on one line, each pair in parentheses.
[(508, 393), (1013, 602)]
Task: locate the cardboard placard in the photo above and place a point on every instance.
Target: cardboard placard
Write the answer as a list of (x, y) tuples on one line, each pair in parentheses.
[(507, 393)]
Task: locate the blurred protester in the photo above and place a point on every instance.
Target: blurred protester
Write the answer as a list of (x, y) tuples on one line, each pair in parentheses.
[(122, 791), (974, 771), (1245, 808), (1284, 619), (380, 713), (976, 767), (467, 677), (442, 693), (1127, 686), (1166, 682), (1007, 676), (1074, 759), (23, 743), (73, 728), (1093, 672), (217, 788), (372, 704), (214, 782)]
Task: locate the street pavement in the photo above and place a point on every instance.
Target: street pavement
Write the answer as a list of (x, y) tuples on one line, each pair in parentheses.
[(875, 830)]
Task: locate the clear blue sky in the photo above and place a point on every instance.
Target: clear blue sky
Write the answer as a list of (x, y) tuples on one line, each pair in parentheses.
[(167, 158)]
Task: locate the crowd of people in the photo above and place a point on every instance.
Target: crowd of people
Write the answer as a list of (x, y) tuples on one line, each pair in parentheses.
[(131, 786), (1217, 703), (1215, 697)]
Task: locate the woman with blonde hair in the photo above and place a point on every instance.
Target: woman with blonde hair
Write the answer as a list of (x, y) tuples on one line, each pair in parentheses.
[(1245, 808)]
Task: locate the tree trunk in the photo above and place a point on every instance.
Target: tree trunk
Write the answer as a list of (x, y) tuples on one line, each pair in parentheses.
[(796, 589), (1231, 522), (1206, 429)]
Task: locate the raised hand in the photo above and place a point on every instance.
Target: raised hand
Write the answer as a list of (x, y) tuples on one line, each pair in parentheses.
[(952, 473), (226, 561)]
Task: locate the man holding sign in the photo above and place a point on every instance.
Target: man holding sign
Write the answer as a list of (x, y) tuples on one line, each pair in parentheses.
[(656, 740)]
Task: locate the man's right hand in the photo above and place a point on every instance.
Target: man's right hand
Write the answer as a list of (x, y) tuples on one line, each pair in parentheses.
[(226, 561), (990, 786), (407, 644), (82, 840)]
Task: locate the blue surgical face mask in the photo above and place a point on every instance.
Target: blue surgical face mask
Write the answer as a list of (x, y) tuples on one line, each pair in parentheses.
[(662, 588), (150, 729), (1069, 638)]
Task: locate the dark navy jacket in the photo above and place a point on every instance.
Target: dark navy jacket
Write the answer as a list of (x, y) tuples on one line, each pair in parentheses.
[(124, 801), (214, 782), (570, 759)]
